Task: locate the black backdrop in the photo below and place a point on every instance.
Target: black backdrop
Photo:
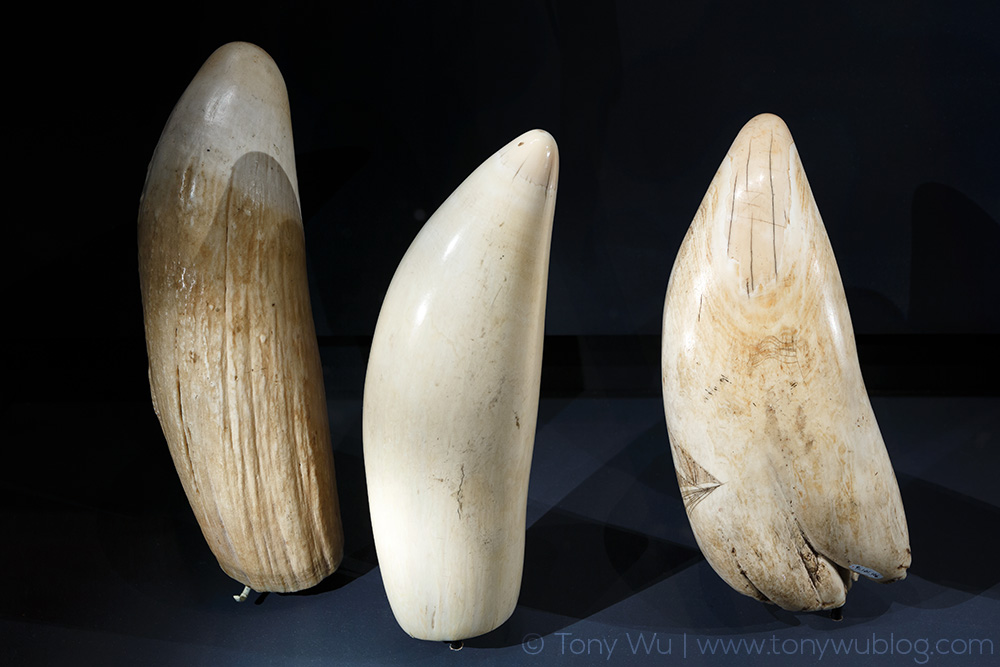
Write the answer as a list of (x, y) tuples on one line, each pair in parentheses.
[(893, 105)]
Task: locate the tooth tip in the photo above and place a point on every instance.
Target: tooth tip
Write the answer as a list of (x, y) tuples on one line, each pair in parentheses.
[(537, 135), (240, 48), (246, 67), (533, 156), (765, 125), (241, 54), (768, 121), (768, 118)]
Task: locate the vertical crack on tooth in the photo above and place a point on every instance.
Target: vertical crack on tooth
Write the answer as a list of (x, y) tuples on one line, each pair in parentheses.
[(746, 181), (754, 591), (810, 560), (774, 231), (732, 214), (185, 441)]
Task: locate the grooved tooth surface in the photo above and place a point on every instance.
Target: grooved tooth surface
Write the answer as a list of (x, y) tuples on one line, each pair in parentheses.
[(234, 371)]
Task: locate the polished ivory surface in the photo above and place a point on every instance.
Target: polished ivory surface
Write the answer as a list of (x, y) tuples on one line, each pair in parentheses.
[(234, 366), (451, 397), (781, 464)]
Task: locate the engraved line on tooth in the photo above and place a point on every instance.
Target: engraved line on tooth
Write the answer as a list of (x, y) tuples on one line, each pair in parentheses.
[(695, 481), (774, 232), (746, 180), (783, 350), (732, 212), (518, 171)]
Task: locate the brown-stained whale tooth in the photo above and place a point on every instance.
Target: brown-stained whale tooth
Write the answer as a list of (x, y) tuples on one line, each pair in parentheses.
[(234, 365), (781, 464)]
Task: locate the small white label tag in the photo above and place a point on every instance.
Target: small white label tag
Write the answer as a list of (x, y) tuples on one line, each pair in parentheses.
[(867, 571)]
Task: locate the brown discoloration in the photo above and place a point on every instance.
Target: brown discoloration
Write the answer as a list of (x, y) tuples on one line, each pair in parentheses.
[(235, 372), (239, 434), (802, 432)]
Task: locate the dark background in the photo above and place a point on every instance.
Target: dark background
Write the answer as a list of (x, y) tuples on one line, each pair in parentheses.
[(894, 107)]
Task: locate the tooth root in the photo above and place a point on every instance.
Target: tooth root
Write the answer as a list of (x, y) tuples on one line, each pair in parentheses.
[(451, 397), (763, 391), (234, 366)]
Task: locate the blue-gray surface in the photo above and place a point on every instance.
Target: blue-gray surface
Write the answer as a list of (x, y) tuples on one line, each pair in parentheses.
[(612, 573)]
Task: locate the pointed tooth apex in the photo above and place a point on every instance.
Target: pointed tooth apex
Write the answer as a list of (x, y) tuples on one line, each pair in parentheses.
[(248, 72), (765, 125), (534, 157)]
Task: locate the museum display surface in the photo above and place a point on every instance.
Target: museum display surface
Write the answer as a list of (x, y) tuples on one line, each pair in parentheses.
[(892, 107)]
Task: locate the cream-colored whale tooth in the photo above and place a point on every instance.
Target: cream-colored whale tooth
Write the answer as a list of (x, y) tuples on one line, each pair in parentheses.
[(783, 470), (451, 397), (234, 365)]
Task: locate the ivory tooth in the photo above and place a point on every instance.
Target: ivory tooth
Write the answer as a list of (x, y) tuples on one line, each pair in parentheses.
[(783, 470), (451, 397), (234, 366)]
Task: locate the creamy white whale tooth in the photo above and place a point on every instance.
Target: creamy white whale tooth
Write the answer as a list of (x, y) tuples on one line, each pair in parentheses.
[(781, 464), (451, 397), (234, 366)]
